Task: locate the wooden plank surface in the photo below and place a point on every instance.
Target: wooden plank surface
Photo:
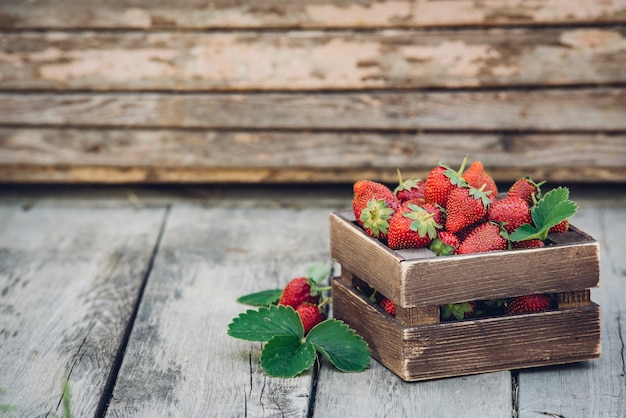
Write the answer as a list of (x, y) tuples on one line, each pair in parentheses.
[(167, 156), (593, 389), (544, 110), (69, 279), (180, 361), (312, 60), (145, 14)]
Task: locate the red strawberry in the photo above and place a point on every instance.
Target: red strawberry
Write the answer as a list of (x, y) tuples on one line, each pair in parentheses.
[(485, 237), (529, 243), (526, 188), (310, 315), (446, 243), (409, 189), (476, 176), (437, 211), (412, 227), (528, 303), (296, 292), (441, 181), (511, 212), (373, 205), (458, 311), (465, 207), (388, 306), (562, 226)]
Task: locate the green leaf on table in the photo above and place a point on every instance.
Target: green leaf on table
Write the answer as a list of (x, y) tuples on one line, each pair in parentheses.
[(340, 344), (287, 356), (553, 208), (318, 272), (262, 298), (266, 323)]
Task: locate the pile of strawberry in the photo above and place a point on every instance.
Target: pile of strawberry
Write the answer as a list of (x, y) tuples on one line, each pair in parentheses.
[(461, 212)]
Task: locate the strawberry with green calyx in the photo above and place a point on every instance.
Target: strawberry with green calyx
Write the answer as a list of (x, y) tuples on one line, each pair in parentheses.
[(458, 311), (375, 218), (476, 176), (527, 189), (446, 243), (528, 303), (552, 209), (441, 181), (366, 190), (487, 236), (409, 189), (412, 227), (466, 206), (306, 289), (388, 306), (511, 212)]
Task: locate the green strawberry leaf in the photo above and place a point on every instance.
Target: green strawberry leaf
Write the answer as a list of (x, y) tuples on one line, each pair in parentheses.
[(266, 323), (287, 356), (341, 345), (553, 208), (262, 298), (318, 272)]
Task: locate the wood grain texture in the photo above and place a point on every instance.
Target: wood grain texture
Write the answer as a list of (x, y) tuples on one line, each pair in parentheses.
[(469, 347), (312, 60), (69, 279), (574, 110), (76, 155), (593, 389), (180, 360), (199, 14), (431, 280)]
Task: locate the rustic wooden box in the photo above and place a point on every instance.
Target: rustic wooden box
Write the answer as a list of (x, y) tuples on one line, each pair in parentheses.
[(417, 346)]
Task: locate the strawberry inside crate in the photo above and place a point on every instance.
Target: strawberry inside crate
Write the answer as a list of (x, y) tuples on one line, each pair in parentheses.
[(415, 344)]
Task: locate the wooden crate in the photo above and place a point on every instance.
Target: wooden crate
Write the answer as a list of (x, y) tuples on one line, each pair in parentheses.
[(417, 346)]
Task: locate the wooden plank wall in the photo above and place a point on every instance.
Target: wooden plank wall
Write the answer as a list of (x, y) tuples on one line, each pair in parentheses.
[(277, 91)]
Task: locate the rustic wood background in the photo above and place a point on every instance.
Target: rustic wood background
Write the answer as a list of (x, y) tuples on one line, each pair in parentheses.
[(276, 91)]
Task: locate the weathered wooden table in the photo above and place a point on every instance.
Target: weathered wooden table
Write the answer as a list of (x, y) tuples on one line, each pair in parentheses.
[(127, 294)]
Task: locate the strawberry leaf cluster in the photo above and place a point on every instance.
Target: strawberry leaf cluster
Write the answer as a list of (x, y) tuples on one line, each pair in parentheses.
[(295, 330)]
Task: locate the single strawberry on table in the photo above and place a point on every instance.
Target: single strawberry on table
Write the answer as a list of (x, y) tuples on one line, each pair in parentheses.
[(310, 315), (298, 291)]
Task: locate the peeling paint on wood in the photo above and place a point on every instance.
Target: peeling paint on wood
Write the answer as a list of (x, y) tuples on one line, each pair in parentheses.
[(145, 14), (311, 60)]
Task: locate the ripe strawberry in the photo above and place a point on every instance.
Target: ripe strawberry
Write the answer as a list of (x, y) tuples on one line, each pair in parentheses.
[(562, 226), (476, 176), (485, 237), (465, 207), (310, 315), (388, 306), (526, 188), (446, 243), (441, 181), (412, 227), (529, 243), (528, 303), (296, 292), (373, 205), (511, 212), (458, 311), (409, 189), (438, 212)]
